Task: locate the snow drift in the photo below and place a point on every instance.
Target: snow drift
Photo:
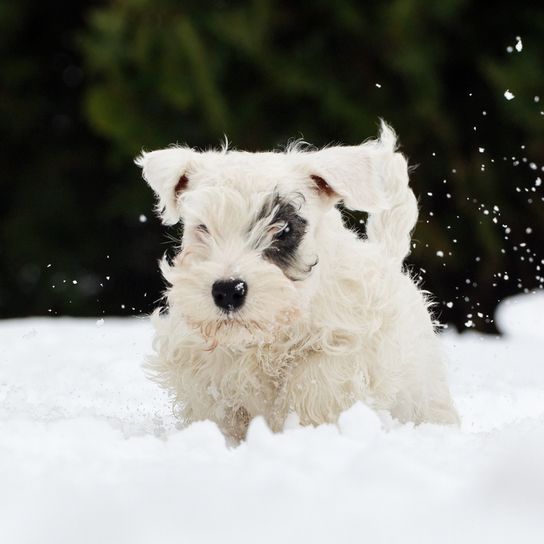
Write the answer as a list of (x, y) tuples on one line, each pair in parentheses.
[(89, 450)]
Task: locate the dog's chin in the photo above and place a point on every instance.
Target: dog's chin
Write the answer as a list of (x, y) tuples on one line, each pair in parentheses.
[(233, 331)]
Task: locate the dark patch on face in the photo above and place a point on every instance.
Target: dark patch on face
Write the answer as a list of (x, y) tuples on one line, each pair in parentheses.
[(282, 252)]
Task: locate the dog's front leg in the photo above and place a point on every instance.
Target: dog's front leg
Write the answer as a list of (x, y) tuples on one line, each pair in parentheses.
[(318, 388)]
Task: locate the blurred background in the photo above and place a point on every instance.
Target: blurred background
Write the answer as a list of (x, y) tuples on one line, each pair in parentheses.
[(87, 85)]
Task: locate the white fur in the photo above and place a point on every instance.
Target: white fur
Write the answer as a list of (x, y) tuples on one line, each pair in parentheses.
[(311, 340)]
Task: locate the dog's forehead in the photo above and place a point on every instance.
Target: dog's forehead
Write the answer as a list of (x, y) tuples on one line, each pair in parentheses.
[(237, 187), (245, 171)]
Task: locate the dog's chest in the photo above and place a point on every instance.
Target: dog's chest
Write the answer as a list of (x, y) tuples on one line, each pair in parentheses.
[(253, 377)]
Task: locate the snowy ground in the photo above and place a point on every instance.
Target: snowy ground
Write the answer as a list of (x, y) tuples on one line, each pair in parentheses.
[(90, 453)]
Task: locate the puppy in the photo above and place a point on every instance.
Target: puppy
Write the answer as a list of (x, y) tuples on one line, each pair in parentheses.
[(274, 307)]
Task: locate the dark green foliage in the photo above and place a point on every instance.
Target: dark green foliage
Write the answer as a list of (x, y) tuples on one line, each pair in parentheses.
[(86, 87)]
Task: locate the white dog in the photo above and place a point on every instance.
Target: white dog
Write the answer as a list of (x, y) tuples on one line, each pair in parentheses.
[(274, 307)]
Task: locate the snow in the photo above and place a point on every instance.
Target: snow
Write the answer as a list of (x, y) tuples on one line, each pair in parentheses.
[(90, 452), (508, 95), (518, 46)]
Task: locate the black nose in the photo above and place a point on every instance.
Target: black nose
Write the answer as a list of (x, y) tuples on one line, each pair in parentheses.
[(229, 295)]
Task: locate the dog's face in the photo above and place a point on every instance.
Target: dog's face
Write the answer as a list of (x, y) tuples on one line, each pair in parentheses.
[(249, 263)]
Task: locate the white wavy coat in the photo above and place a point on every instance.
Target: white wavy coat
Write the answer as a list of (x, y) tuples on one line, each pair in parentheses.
[(342, 322)]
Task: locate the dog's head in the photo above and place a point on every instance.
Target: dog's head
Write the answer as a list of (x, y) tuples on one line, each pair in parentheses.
[(253, 224)]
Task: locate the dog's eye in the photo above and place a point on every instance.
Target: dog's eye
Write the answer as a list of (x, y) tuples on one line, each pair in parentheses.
[(202, 229), (284, 232)]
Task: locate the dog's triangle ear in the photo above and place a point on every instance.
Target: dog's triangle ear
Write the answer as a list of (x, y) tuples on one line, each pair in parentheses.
[(167, 173), (355, 174)]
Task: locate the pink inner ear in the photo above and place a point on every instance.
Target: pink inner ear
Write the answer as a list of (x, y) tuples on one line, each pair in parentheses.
[(181, 184), (322, 186)]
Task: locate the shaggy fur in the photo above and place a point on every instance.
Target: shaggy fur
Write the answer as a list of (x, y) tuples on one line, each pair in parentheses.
[(328, 319)]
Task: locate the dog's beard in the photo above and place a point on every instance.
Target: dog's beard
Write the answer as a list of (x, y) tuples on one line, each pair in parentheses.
[(272, 305), (235, 331)]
